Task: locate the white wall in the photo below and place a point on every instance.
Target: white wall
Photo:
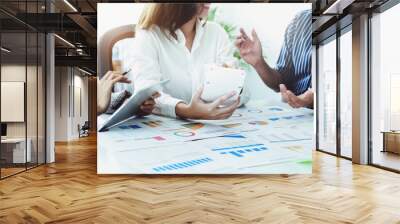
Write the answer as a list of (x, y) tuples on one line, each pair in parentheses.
[(70, 83), (128, 13)]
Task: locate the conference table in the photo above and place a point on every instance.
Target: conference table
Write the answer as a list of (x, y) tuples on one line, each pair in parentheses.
[(391, 141), (262, 137)]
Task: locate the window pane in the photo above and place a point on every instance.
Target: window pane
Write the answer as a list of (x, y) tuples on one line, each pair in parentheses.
[(346, 94), (386, 89), (327, 96), (13, 86), (31, 97)]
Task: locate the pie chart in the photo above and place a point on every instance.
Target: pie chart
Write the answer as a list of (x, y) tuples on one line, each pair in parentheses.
[(184, 133)]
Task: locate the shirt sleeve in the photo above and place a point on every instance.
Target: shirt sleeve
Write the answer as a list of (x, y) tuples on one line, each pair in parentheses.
[(146, 70), (284, 65), (225, 53)]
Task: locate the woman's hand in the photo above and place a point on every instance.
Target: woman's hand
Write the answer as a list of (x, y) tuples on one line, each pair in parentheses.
[(250, 49), (198, 109), (104, 89), (147, 106)]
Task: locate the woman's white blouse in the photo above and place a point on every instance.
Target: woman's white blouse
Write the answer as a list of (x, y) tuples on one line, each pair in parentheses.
[(158, 57)]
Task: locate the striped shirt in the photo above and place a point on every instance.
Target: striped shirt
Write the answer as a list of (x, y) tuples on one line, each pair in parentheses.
[(294, 61)]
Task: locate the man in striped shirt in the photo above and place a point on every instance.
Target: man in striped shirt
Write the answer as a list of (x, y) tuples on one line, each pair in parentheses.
[(292, 75)]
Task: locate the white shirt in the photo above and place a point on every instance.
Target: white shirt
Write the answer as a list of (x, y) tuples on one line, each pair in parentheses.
[(158, 57)]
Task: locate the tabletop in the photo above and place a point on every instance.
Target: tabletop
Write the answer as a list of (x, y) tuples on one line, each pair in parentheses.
[(259, 138)]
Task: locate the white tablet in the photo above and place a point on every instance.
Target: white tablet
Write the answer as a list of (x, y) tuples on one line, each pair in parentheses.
[(219, 81), (132, 106)]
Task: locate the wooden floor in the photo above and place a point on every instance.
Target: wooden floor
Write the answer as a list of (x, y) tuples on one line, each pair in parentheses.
[(70, 191), (387, 159)]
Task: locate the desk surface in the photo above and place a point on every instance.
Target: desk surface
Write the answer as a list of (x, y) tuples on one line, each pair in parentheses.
[(391, 132), (259, 138), (13, 140)]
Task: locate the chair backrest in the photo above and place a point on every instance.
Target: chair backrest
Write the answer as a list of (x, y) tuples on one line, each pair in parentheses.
[(106, 43), (86, 125)]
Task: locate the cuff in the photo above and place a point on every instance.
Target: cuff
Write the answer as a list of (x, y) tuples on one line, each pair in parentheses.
[(167, 105)]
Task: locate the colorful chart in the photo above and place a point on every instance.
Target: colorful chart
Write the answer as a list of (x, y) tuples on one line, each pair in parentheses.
[(133, 126), (236, 115), (193, 126), (158, 138), (241, 150), (295, 148), (184, 133), (286, 117), (152, 124), (258, 122), (284, 137), (233, 136), (255, 111), (231, 125), (273, 118), (182, 165), (305, 162), (275, 109)]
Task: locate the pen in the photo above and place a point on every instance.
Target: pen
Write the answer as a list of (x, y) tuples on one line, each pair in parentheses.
[(126, 72)]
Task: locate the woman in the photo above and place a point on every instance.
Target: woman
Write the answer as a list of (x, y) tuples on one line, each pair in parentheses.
[(174, 41)]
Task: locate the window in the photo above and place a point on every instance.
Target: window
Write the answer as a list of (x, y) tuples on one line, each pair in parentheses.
[(346, 94), (385, 89), (327, 96), (22, 87)]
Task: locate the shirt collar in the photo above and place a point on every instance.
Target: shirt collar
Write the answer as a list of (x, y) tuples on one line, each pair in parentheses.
[(199, 33)]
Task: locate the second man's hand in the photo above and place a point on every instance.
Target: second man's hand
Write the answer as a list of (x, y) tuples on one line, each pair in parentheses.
[(304, 100), (250, 49)]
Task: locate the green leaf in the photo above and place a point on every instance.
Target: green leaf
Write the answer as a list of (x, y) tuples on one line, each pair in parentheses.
[(211, 14)]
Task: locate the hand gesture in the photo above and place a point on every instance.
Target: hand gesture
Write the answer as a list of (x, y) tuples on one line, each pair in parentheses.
[(304, 100), (250, 49)]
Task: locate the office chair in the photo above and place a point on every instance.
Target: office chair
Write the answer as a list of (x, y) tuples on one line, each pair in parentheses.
[(106, 44), (84, 130)]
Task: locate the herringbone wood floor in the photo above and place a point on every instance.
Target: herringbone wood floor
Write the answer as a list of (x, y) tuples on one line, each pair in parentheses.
[(69, 191)]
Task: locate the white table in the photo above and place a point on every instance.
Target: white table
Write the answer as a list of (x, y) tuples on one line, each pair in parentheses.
[(271, 138), (19, 155)]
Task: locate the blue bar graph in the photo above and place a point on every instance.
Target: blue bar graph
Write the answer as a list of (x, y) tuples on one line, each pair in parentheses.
[(273, 118), (275, 109), (233, 136), (237, 147), (132, 126), (181, 165), (240, 151)]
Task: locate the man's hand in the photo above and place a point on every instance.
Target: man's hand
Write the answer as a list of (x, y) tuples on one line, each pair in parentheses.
[(104, 89), (304, 100), (250, 49)]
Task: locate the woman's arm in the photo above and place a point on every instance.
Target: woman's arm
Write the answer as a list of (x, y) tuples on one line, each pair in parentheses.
[(198, 109), (146, 70)]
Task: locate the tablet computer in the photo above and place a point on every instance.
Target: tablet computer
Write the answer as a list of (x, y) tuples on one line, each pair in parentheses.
[(132, 106), (218, 81)]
